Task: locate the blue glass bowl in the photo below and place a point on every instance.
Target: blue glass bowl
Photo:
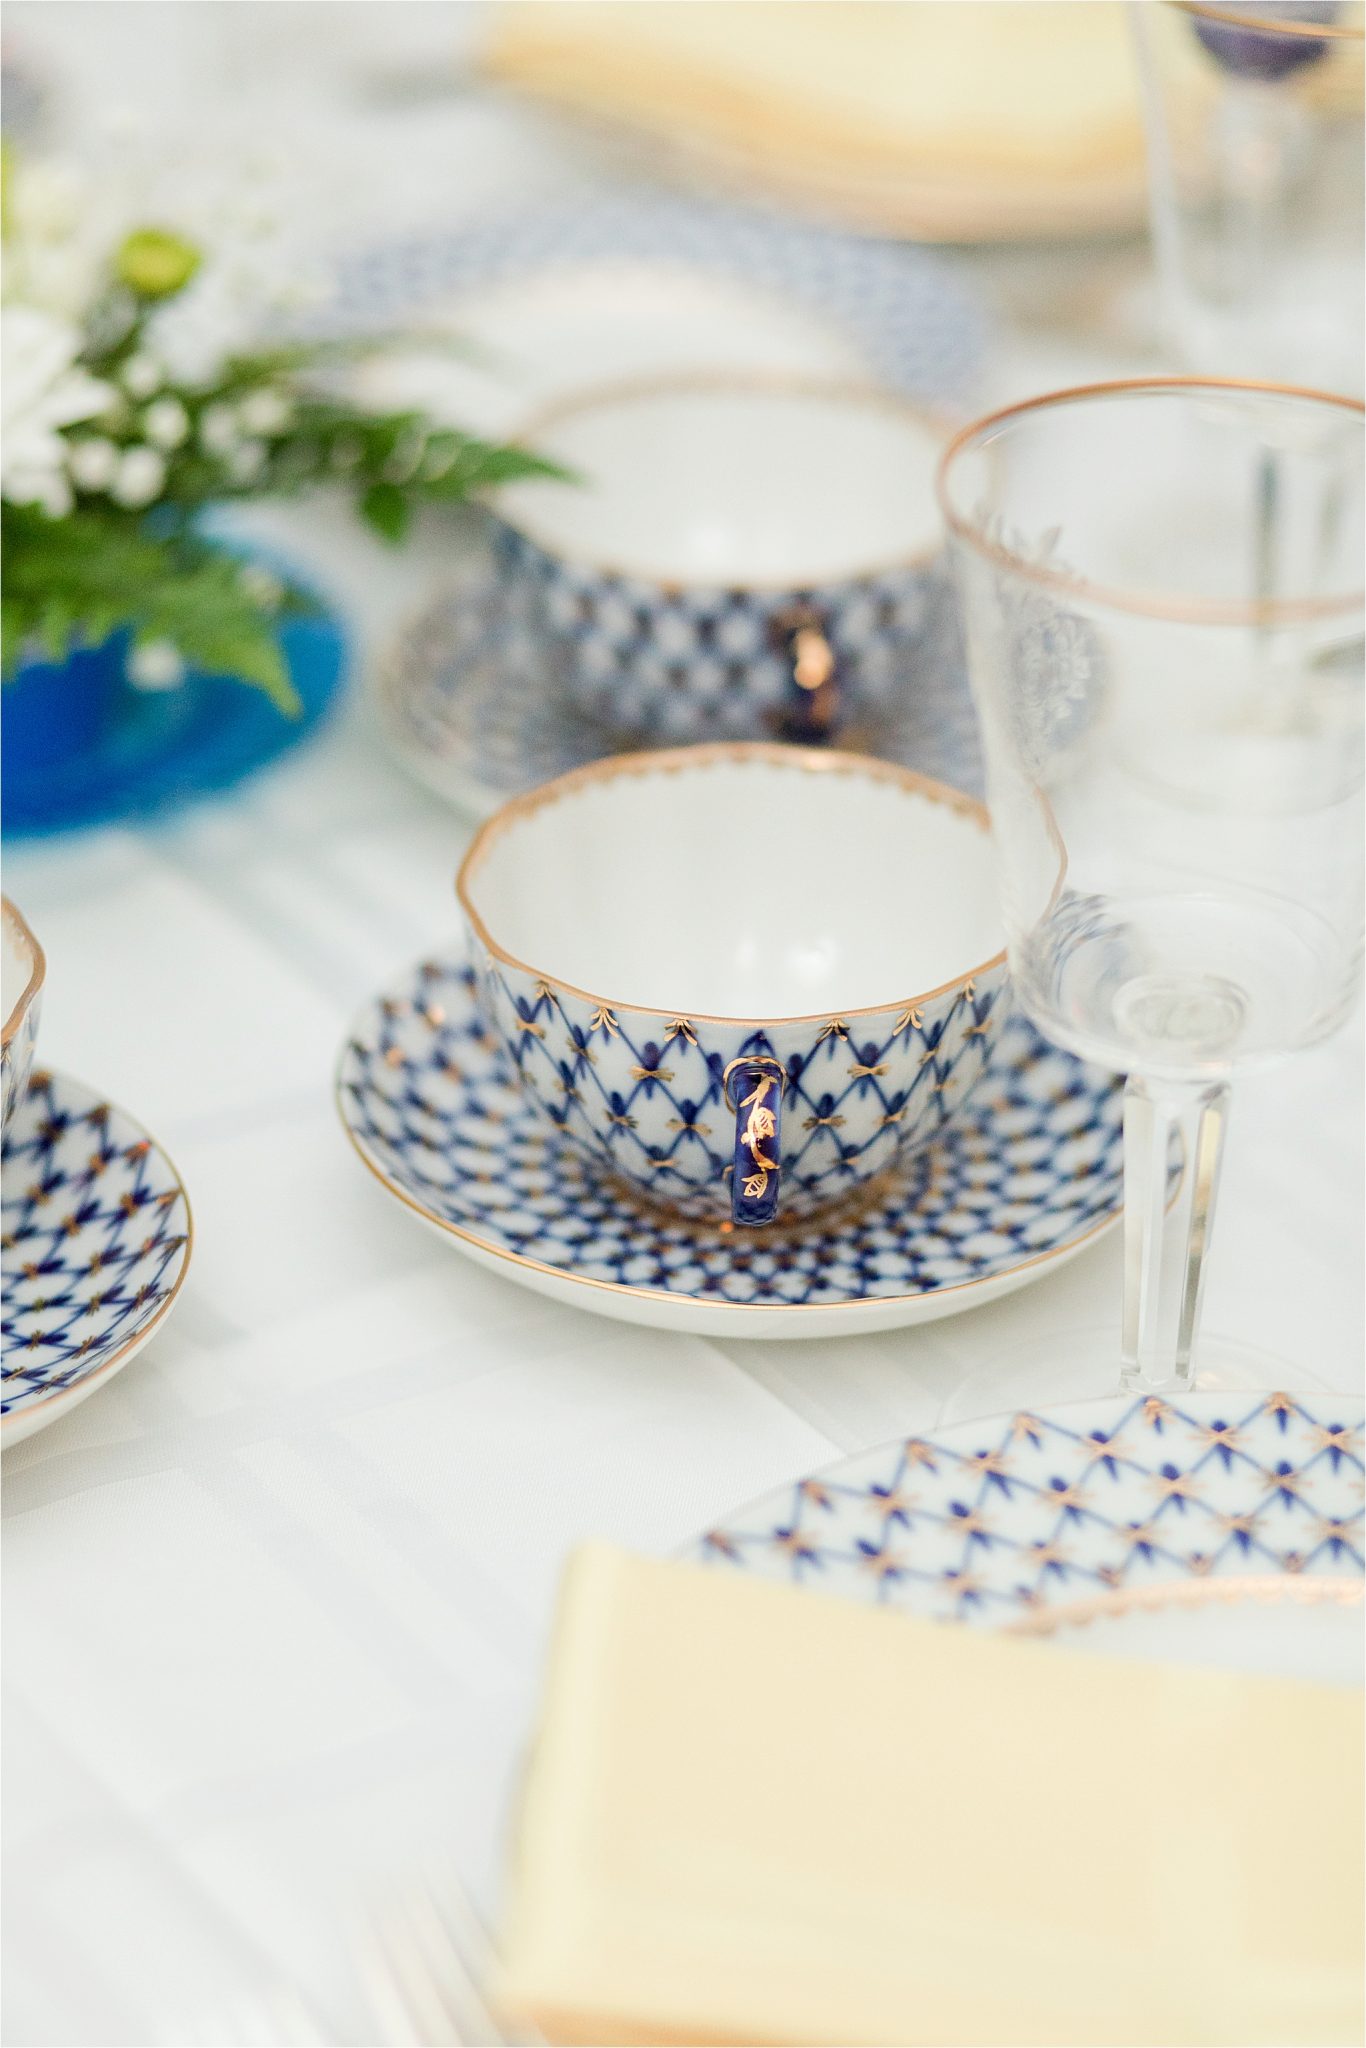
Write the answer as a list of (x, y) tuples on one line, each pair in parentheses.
[(83, 747)]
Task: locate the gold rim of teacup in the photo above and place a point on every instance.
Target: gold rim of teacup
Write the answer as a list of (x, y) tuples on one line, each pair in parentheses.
[(675, 761), (19, 924), (1262, 612), (701, 382), (1274, 25)]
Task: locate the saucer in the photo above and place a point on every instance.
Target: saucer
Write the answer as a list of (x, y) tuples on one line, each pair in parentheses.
[(1024, 1178), (529, 306), (97, 1237), (1215, 1528), (472, 701)]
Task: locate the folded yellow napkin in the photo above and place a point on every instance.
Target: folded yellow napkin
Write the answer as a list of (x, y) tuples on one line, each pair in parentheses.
[(999, 116), (756, 1814)]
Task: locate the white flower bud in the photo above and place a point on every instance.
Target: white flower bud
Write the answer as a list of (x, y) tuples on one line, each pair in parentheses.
[(266, 412), (219, 431), (166, 423), (48, 489), (246, 462), (156, 665), (92, 463), (141, 375), (262, 586), (139, 477)]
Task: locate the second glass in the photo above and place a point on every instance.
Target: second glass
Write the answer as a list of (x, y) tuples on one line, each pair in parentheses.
[(1168, 677)]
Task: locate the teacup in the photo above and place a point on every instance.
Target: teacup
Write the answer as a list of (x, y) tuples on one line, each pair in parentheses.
[(738, 559), (729, 971), (21, 997)]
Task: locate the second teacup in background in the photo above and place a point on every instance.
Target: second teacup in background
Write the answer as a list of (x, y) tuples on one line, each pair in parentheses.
[(740, 559), (727, 971)]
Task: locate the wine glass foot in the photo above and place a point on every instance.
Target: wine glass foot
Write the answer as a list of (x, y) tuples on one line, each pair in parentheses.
[(1084, 1365)]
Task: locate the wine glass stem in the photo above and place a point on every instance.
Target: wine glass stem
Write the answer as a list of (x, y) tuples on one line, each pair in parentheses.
[(1165, 1254)]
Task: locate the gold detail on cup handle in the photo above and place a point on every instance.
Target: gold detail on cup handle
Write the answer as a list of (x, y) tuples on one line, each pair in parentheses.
[(813, 658)]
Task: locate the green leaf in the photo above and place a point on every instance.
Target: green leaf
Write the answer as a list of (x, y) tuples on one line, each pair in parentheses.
[(385, 507)]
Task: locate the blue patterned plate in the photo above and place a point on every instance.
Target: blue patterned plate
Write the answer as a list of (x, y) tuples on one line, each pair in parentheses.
[(97, 1237), (1136, 1515), (591, 290), (1028, 1174), (470, 699)]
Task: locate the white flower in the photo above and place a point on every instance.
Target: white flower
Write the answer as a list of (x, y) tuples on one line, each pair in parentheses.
[(246, 462), (156, 665), (140, 476), (166, 423), (262, 586), (55, 251), (266, 412), (92, 463), (141, 375), (219, 431), (42, 390)]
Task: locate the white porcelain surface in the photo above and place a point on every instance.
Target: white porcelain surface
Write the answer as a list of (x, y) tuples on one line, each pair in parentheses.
[(765, 882), (737, 486)]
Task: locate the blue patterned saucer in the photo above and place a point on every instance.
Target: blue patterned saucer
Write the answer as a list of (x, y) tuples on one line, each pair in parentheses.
[(1131, 1510), (472, 702), (97, 1237), (1026, 1175)]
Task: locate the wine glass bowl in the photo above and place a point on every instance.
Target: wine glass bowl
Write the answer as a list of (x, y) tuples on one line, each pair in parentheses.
[(1161, 593)]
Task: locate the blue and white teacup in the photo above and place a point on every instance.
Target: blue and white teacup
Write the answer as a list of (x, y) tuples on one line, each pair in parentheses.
[(21, 999), (738, 559), (740, 975)]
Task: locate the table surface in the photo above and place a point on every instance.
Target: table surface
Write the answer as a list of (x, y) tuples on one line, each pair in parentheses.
[(276, 1599)]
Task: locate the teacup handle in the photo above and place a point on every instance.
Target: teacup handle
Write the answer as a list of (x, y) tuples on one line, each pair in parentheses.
[(814, 695), (753, 1088)]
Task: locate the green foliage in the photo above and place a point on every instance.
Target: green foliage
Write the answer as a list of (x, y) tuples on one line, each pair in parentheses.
[(268, 423)]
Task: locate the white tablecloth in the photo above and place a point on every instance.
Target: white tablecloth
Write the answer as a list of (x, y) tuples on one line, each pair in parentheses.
[(276, 1598)]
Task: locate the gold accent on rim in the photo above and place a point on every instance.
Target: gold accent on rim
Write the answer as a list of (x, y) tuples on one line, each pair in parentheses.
[(37, 971), (1268, 1588), (675, 761), (140, 1336), (1273, 25), (702, 383), (1263, 612)]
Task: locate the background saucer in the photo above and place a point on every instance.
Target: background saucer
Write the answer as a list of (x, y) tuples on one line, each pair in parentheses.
[(470, 699), (97, 1237), (1026, 1175)]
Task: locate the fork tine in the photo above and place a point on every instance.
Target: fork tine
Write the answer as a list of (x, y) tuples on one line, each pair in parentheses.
[(458, 1948)]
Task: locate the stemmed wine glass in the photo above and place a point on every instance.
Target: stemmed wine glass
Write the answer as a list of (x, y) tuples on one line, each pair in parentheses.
[(1169, 687), (1256, 171)]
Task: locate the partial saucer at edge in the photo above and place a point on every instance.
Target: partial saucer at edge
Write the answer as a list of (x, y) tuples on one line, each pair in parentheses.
[(97, 1239), (1022, 1180)]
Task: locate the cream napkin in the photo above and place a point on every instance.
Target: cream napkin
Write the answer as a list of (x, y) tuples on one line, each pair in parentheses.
[(755, 1814)]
